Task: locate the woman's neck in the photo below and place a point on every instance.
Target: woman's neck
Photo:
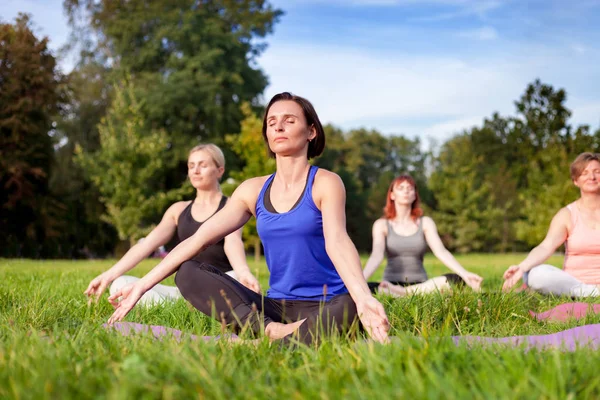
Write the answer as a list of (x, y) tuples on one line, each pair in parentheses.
[(291, 170), (590, 201), (403, 214), (208, 196)]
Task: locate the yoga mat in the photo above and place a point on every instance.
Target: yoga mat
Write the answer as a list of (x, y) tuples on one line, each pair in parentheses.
[(582, 336), (567, 311), (160, 332)]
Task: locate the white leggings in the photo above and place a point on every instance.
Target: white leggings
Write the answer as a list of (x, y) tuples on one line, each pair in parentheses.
[(548, 279), (155, 296)]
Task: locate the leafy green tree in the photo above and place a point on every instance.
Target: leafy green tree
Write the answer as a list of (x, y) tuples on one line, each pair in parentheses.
[(194, 62), (128, 166), (85, 233), (249, 146), (549, 190), (30, 97)]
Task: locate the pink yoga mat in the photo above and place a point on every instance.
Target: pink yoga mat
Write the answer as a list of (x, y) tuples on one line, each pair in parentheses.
[(567, 311)]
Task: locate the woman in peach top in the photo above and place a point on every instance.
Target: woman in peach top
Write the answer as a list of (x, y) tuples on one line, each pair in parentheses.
[(578, 226)]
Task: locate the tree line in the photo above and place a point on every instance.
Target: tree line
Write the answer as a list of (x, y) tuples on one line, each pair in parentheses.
[(90, 160)]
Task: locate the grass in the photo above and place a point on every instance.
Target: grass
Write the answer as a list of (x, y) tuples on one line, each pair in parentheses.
[(52, 345)]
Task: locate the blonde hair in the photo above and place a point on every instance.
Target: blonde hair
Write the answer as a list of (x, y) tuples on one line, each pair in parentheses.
[(581, 162), (215, 153)]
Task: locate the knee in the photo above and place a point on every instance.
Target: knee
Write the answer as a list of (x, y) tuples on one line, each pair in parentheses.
[(120, 282), (537, 277), (454, 279), (441, 283), (183, 279), (344, 311)]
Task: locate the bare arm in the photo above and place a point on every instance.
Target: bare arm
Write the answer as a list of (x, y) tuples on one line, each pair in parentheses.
[(378, 250), (556, 236), (331, 198), (159, 236), (230, 218), (437, 247), (234, 249), (439, 250)]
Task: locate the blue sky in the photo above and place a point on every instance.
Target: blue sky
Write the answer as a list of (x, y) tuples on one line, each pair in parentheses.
[(426, 68)]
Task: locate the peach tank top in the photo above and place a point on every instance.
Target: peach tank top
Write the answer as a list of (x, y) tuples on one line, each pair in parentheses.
[(582, 250)]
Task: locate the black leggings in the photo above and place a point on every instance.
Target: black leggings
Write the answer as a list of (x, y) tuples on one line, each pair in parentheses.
[(218, 295), (453, 279)]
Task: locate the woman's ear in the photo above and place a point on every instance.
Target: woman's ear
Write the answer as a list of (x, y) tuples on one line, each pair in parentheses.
[(313, 133)]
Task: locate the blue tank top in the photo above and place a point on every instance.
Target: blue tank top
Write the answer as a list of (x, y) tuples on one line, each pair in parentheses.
[(295, 249)]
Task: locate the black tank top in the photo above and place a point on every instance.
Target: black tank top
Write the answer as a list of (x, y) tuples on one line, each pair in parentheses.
[(214, 254)]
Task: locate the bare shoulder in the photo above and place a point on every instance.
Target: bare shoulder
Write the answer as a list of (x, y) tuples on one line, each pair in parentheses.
[(175, 210), (562, 217), (251, 186), (380, 226), (327, 182), (328, 186), (428, 223), (248, 192), (327, 176)]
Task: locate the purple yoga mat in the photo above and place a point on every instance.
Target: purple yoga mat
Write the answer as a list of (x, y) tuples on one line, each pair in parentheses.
[(159, 332), (582, 336), (567, 311)]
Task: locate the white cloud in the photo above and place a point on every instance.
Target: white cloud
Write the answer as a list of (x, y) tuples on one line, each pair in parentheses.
[(349, 86), (464, 9), (425, 95), (452, 126), (485, 33)]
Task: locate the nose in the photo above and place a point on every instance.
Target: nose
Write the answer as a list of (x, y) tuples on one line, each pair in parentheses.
[(279, 125)]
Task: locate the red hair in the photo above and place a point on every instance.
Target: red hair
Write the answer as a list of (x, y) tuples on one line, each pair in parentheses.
[(389, 211)]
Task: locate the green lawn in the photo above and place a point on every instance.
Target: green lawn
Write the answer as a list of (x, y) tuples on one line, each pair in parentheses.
[(52, 345)]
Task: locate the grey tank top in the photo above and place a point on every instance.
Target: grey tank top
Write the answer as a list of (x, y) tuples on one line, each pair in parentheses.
[(405, 256)]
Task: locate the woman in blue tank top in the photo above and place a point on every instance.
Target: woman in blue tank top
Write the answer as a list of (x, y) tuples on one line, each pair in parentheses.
[(206, 165), (316, 281), (403, 234)]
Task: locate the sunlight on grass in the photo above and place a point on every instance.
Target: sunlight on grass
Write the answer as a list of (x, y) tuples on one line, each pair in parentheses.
[(54, 346)]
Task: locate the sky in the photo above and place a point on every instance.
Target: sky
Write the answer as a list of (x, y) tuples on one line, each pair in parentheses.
[(419, 68)]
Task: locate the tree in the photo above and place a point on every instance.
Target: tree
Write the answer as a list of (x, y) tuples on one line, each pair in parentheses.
[(85, 233), (548, 191), (30, 96), (127, 169), (249, 146), (193, 61)]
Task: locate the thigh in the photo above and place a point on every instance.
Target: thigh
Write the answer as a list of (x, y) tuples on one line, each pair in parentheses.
[(206, 287), (167, 291), (201, 283), (338, 312), (548, 279), (437, 284), (120, 282)]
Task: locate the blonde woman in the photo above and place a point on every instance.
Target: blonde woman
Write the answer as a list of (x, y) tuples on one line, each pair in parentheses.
[(206, 165)]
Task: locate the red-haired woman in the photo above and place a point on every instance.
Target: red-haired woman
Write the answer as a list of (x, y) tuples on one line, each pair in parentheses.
[(403, 234)]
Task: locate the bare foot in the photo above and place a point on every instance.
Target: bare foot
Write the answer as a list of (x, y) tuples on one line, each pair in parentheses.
[(391, 289), (276, 330)]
